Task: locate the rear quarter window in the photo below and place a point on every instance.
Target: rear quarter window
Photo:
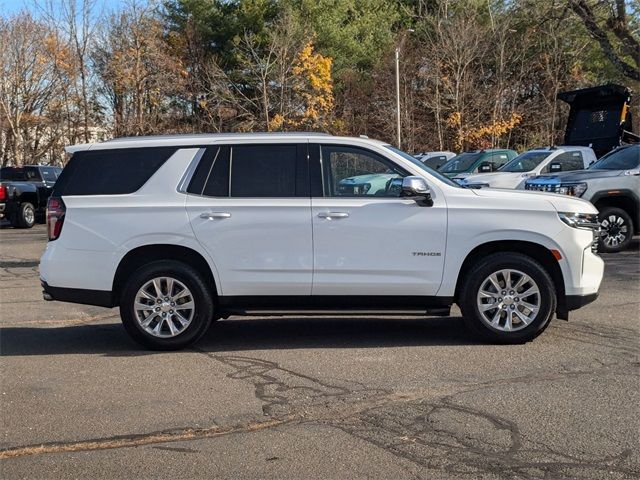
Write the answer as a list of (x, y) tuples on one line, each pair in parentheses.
[(110, 172)]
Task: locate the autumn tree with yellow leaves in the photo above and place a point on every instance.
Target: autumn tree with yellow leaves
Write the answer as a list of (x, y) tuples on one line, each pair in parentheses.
[(313, 89), (483, 135)]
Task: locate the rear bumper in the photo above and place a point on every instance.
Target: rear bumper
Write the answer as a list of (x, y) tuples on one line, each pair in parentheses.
[(2, 208), (99, 298)]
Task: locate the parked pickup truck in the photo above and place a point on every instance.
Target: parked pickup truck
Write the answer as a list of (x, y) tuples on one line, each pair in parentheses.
[(530, 164), (24, 192), (612, 184)]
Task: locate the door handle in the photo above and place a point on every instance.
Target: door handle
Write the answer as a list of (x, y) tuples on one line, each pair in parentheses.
[(333, 215), (215, 215)]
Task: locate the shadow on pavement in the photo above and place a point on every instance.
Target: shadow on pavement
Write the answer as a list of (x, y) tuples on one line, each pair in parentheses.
[(246, 334)]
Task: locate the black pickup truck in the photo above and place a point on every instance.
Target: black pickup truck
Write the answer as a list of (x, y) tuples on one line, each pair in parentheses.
[(24, 192)]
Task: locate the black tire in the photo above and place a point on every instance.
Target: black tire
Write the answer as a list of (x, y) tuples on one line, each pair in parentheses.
[(612, 229), (202, 298), (475, 279), (25, 217)]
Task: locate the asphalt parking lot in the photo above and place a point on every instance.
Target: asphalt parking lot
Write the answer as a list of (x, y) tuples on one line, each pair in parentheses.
[(317, 397)]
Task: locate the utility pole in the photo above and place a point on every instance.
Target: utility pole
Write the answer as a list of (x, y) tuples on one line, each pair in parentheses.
[(398, 48)]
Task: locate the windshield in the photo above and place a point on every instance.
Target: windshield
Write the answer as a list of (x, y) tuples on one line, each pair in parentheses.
[(525, 162), (460, 163), (625, 158), (422, 166)]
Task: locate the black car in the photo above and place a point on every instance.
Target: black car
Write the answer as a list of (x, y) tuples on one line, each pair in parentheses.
[(24, 192)]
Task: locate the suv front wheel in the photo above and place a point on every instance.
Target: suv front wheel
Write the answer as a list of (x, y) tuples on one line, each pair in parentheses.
[(166, 305), (508, 298)]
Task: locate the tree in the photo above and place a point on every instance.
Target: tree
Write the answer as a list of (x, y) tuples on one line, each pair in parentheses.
[(313, 88), (607, 22), (138, 74), (29, 88)]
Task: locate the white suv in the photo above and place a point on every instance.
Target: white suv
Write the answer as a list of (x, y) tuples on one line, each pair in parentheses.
[(179, 231)]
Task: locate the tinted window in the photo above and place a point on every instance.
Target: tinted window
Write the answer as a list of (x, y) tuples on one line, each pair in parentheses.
[(211, 176), (110, 172), (625, 158), (218, 177), (355, 172), (20, 174), (460, 163), (568, 160), (263, 171)]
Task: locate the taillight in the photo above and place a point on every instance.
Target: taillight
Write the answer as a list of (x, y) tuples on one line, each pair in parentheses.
[(55, 217), (3, 193)]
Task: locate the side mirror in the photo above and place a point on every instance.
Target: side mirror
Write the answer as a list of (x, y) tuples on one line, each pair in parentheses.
[(485, 167), (555, 167), (417, 189)]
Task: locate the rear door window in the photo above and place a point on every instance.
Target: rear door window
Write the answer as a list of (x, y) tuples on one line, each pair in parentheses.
[(211, 177), (253, 171), (110, 172)]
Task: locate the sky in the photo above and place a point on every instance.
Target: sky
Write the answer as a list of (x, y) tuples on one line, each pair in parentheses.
[(10, 7)]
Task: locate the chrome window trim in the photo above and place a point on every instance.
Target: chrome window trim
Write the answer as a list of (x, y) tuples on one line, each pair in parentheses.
[(204, 185), (188, 174)]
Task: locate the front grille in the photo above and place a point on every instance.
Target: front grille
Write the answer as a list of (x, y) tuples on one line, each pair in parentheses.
[(541, 188)]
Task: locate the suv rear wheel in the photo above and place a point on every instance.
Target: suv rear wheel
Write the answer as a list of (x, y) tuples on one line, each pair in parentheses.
[(617, 230), (166, 305), (508, 298)]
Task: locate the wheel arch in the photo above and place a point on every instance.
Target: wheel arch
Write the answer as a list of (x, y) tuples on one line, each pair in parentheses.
[(144, 254), (534, 250)]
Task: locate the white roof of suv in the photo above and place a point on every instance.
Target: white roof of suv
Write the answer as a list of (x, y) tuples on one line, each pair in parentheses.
[(203, 138)]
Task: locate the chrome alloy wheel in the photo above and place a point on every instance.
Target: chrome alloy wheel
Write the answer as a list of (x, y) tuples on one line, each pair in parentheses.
[(164, 307), (29, 215), (508, 300), (615, 230)]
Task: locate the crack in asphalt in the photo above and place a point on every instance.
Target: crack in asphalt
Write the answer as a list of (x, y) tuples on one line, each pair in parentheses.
[(122, 441), (434, 434), (431, 434)]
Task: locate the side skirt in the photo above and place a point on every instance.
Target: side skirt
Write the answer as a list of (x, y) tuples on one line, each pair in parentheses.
[(335, 305)]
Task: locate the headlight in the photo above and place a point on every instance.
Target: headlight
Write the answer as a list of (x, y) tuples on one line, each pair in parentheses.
[(588, 221), (573, 189)]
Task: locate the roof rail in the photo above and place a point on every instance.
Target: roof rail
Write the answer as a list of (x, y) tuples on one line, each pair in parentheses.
[(216, 135)]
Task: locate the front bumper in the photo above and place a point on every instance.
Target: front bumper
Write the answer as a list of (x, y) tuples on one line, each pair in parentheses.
[(573, 302)]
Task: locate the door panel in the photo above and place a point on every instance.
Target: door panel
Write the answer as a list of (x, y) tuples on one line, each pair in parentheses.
[(263, 246), (372, 244), (258, 228)]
